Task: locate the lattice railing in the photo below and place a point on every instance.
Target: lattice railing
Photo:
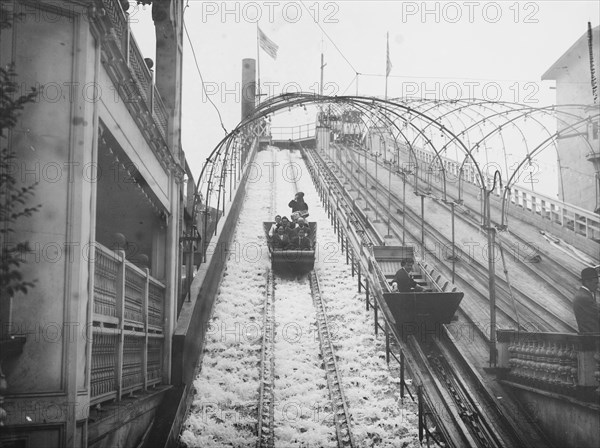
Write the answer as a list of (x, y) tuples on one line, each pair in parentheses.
[(155, 353), (156, 302), (557, 362), (105, 283), (135, 286), (104, 366), (127, 328), (133, 363)]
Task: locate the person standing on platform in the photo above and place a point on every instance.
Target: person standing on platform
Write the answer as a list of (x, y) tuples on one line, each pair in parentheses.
[(585, 307), (403, 281), (298, 205)]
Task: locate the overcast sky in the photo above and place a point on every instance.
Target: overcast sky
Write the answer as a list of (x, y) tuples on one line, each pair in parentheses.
[(434, 47)]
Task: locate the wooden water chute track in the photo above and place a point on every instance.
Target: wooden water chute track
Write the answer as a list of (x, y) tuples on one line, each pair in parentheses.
[(434, 395), (533, 312), (266, 400), (508, 239), (340, 412), (299, 262)]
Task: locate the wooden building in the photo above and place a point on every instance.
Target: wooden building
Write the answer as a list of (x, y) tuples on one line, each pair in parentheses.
[(86, 353)]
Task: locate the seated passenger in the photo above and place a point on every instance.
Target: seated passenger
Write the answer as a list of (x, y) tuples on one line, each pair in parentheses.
[(280, 240), (304, 225), (287, 225), (276, 224), (403, 281), (301, 241)]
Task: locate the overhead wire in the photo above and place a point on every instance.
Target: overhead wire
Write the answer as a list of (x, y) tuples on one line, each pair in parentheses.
[(200, 73), (330, 39)]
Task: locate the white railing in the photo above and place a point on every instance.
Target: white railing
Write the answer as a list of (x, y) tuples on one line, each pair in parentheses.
[(293, 132), (568, 216)]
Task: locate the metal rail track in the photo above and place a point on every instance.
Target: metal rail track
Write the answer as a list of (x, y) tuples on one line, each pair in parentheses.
[(266, 397), (340, 412), (467, 407), (266, 394)]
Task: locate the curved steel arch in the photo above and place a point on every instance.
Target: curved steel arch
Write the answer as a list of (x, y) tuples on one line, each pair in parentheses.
[(397, 115)]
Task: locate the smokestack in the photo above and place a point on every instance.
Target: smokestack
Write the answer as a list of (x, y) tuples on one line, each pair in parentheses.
[(248, 87)]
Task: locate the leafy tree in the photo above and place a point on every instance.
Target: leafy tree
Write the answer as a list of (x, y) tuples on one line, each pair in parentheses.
[(13, 198)]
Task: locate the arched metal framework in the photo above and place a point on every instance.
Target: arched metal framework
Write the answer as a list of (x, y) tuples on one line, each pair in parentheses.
[(416, 125)]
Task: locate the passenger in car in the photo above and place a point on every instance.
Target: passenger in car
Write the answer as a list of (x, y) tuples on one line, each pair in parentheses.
[(302, 224), (287, 225), (403, 281), (276, 224), (301, 241), (280, 240)]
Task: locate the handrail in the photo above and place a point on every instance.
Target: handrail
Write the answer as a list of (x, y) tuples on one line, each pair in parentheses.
[(568, 216), (293, 133)]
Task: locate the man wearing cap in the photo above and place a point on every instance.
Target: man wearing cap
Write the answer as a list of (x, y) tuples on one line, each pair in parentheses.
[(585, 307), (298, 205)]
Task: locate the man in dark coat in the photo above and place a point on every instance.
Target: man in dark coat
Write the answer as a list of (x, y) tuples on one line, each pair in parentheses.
[(298, 205), (280, 240), (585, 307), (403, 282), (301, 241)]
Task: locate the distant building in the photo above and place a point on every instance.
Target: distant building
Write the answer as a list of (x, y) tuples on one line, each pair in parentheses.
[(578, 166)]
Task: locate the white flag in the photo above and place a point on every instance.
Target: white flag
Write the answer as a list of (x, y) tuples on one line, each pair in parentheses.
[(267, 44), (388, 64)]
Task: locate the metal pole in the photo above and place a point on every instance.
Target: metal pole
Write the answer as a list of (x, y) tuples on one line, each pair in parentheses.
[(389, 207), (423, 224), (453, 245), (492, 279), (376, 205), (366, 184), (402, 375), (403, 207)]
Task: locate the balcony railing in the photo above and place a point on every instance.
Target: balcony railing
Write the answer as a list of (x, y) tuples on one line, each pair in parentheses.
[(128, 327), (143, 89), (563, 363)]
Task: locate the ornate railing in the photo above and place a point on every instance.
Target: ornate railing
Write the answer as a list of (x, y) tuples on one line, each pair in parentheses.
[(127, 328), (557, 362)]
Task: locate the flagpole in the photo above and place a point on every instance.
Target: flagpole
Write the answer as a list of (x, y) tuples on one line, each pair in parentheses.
[(387, 59), (257, 66)]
